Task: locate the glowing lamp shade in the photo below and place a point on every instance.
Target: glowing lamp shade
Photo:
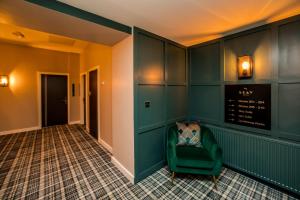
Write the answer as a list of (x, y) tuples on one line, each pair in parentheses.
[(3, 80), (245, 66)]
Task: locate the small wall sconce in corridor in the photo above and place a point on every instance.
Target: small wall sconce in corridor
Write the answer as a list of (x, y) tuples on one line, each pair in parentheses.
[(245, 67), (3, 81)]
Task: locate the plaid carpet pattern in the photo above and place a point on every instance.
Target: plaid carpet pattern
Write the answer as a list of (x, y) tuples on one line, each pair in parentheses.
[(65, 162)]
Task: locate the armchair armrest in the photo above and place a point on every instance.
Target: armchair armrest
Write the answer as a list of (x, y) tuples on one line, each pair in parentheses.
[(215, 152), (171, 147), (210, 144)]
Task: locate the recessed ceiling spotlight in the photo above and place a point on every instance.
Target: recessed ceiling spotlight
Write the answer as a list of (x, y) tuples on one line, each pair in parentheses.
[(19, 35)]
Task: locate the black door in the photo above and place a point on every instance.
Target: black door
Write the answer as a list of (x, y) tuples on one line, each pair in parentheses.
[(54, 100), (93, 93), (84, 99)]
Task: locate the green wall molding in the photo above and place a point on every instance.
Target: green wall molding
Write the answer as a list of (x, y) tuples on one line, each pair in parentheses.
[(277, 83), (274, 153), (76, 12), (152, 54)]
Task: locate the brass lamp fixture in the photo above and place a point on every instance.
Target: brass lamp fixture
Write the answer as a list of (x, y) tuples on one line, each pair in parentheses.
[(3, 81), (245, 67)]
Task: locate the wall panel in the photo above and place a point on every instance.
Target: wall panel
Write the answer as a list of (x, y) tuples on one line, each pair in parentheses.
[(176, 102), (258, 45), (203, 63), (289, 50), (270, 155), (154, 114), (150, 150), (176, 70), (289, 109), (161, 80), (205, 103), (151, 60)]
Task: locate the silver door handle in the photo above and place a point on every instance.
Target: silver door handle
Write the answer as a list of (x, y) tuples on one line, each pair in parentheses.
[(65, 100)]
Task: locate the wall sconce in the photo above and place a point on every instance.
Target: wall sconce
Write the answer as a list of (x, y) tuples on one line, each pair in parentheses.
[(3, 80), (245, 67)]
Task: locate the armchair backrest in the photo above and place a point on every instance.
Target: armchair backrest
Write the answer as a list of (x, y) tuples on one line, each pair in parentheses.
[(207, 137)]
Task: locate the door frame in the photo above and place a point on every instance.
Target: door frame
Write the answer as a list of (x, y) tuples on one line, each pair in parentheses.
[(81, 98), (39, 94), (88, 99)]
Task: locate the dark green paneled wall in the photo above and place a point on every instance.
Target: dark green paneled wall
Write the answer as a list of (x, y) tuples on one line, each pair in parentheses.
[(163, 80), (275, 49), (289, 51), (258, 45), (210, 98), (160, 97), (207, 60)]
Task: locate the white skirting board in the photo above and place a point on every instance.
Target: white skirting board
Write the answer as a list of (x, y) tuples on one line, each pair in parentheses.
[(20, 130), (74, 122), (122, 169), (106, 146)]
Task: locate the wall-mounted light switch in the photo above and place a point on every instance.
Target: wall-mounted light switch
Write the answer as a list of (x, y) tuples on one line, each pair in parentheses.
[(147, 104)]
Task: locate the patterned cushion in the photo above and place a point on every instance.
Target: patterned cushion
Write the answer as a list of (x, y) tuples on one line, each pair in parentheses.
[(188, 134)]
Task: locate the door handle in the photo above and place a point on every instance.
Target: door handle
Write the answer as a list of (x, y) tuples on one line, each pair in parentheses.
[(65, 100), (90, 93)]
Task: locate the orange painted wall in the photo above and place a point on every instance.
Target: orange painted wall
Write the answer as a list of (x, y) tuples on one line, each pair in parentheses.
[(101, 55), (19, 102)]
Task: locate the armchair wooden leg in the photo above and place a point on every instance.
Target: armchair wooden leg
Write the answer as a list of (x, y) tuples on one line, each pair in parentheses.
[(173, 176), (215, 182)]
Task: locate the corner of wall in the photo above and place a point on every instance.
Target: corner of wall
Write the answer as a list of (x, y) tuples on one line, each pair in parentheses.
[(123, 107)]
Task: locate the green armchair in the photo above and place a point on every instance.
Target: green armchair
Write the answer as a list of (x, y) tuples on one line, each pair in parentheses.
[(206, 160)]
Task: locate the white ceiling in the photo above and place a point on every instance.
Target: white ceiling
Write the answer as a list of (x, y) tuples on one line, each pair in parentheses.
[(37, 39), (25, 14), (191, 21)]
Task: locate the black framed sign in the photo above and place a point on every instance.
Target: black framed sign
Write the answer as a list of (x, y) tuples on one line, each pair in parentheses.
[(248, 105)]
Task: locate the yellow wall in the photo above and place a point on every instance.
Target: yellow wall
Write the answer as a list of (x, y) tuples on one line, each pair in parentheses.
[(19, 102), (123, 106), (101, 55)]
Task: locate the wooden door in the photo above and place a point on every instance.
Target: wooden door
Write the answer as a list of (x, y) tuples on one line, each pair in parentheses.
[(93, 103), (84, 99), (54, 100)]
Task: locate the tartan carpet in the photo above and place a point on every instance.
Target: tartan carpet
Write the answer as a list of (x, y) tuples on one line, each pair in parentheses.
[(65, 162)]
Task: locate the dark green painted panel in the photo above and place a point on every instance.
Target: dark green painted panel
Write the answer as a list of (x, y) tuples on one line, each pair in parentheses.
[(205, 63), (176, 67), (76, 12), (289, 50), (176, 102), (272, 155), (150, 60), (155, 59), (257, 45), (205, 102), (154, 114), (289, 108), (150, 149)]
